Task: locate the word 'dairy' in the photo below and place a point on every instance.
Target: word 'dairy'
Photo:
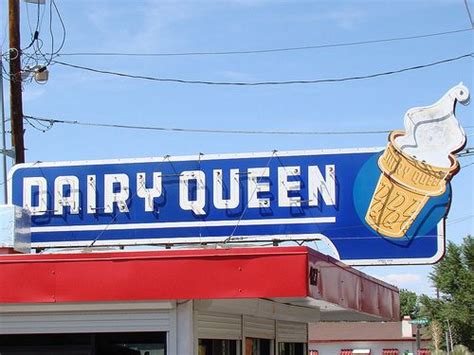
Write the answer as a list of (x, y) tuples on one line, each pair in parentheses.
[(197, 190)]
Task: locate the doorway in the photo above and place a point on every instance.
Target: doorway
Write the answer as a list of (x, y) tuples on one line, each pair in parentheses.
[(257, 346)]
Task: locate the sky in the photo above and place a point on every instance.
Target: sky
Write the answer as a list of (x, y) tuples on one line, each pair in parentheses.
[(210, 25)]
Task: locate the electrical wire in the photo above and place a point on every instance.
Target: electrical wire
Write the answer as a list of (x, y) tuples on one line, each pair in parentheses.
[(40, 125), (5, 74), (45, 124), (51, 55), (56, 52), (37, 56), (200, 130), (11, 177), (4, 32), (459, 219), (229, 238), (469, 13), (35, 33), (36, 43), (262, 83), (467, 152), (268, 50), (51, 121)]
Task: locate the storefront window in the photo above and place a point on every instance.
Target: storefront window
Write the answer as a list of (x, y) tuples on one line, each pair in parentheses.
[(131, 343), (291, 349), (84, 344), (218, 347)]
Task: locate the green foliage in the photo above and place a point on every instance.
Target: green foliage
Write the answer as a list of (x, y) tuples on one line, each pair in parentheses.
[(468, 252), (458, 350), (436, 331), (408, 304), (461, 350), (454, 278)]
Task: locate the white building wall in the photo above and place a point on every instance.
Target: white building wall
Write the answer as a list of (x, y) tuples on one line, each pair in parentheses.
[(185, 328), (87, 317), (376, 347), (184, 321)]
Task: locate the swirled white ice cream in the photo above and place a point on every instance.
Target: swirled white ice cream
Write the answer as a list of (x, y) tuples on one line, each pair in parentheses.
[(433, 133)]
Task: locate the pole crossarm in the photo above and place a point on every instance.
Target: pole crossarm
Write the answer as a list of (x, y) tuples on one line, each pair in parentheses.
[(8, 152)]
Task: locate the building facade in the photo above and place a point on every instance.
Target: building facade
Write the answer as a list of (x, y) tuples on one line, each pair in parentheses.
[(251, 301)]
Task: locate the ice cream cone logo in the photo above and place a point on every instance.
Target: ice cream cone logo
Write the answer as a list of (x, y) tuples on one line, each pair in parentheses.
[(417, 164)]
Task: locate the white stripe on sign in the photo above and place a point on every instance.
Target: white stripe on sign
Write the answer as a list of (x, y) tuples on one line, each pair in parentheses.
[(244, 222)]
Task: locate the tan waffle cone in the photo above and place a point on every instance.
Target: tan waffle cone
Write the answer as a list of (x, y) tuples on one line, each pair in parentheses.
[(403, 189)]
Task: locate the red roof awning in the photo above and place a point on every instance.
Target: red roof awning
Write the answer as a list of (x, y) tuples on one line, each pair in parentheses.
[(296, 273)]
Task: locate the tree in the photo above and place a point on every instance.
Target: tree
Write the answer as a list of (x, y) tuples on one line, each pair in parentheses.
[(408, 304), (436, 331), (454, 278)]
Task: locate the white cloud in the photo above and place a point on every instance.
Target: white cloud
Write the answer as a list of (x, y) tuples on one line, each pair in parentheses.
[(413, 278), (400, 279), (246, 2), (33, 92), (141, 27), (237, 75), (347, 18)]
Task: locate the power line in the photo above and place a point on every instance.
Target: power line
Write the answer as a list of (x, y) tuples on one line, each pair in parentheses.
[(50, 122), (469, 14), (40, 125), (267, 50), (467, 152), (459, 219), (262, 83)]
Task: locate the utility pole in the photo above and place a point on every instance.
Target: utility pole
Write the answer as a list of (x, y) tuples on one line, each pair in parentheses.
[(16, 102)]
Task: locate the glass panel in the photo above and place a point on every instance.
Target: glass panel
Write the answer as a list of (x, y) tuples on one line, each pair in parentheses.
[(131, 343), (85, 344), (291, 348), (46, 344), (218, 347)]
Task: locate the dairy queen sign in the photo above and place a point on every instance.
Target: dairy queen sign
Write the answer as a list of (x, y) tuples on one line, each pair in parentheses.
[(372, 206)]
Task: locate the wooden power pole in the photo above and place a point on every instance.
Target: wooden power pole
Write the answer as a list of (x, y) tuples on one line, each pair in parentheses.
[(16, 102)]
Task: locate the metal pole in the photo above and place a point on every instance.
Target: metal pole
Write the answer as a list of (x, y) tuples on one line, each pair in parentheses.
[(4, 144), (447, 343), (16, 102), (450, 335), (418, 345)]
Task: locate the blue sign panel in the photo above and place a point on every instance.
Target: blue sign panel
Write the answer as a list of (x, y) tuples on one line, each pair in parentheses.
[(336, 196)]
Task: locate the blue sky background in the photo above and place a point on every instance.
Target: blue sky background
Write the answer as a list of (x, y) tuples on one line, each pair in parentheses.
[(184, 26)]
